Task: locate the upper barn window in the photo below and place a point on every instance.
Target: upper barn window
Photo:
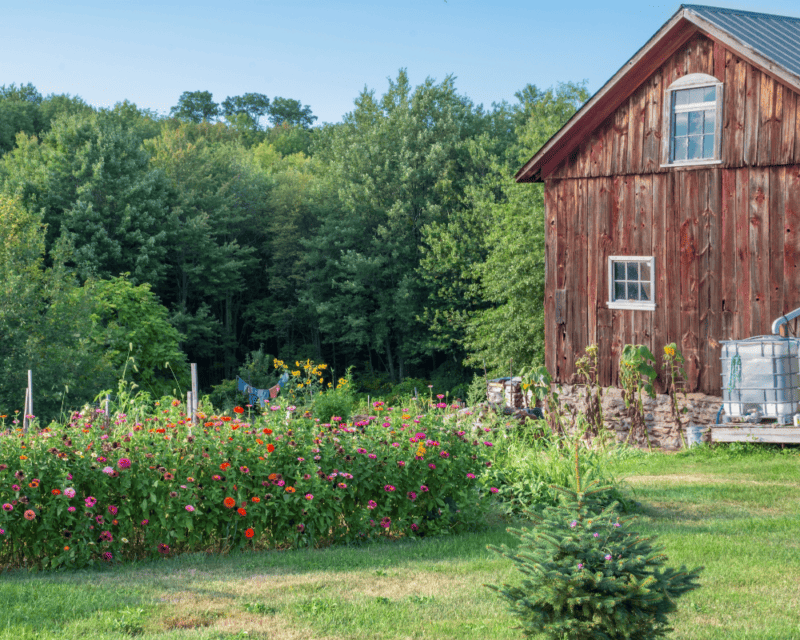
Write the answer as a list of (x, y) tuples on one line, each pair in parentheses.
[(692, 120)]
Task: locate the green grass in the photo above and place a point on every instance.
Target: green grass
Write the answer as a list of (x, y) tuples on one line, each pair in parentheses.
[(734, 511)]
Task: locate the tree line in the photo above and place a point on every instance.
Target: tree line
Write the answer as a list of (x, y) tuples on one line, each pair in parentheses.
[(395, 241)]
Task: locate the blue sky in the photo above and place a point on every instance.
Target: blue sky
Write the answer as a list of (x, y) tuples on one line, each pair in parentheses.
[(322, 52)]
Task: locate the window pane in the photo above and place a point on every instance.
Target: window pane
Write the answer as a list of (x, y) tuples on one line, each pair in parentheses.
[(695, 147), (681, 97), (633, 291), (644, 270), (696, 95), (708, 146), (681, 146), (709, 94), (708, 123), (695, 122), (619, 271), (681, 127), (633, 271), (646, 291), (619, 291)]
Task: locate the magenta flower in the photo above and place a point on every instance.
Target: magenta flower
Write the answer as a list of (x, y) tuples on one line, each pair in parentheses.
[(189, 508), (388, 487), (370, 505), (145, 523), (124, 463), (494, 489), (411, 496), (7, 507), (414, 526), (107, 556), (488, 444), (401, 463), (608, 557), (107, 536), (386, 522), (580, 565), (163, 549), (372, 456), (573, 524), (301, 527), (71, 509), (444, 454), (112, 509), (471, 476), (99, 519), (596, 535), (15, 487), (423, 488), (90, 502), (342, 485), (431, 465)]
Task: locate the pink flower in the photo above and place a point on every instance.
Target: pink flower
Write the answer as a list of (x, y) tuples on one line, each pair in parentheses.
[(423, 488), (309, 496), (608, 557), (69, 492), (112, 509), (494, 489), (471, 476), (372, 504), (189, 508), (411, 496), (90, 501), (414, 526), (123, 463), (71, 509), (372, 456), (431, 465), (388, 487)]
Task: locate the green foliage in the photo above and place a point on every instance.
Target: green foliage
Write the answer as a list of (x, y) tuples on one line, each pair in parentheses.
[(195, 106), (291, 112), (589, 576), (130, 322), (339, 401), (251, 105), (39, 306)]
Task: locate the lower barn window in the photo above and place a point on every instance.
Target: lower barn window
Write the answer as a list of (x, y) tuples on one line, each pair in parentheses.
[(631, 282)]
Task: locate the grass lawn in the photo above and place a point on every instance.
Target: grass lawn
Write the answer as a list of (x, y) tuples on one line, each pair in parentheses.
[(739, 515)]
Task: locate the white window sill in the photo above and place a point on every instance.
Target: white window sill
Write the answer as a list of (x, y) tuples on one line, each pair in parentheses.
[(693, 163), (637, 306)]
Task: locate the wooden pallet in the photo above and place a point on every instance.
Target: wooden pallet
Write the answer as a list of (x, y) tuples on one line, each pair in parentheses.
[(755, 433)]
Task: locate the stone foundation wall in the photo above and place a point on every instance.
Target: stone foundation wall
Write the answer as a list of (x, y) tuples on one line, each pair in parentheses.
[(661, 426)]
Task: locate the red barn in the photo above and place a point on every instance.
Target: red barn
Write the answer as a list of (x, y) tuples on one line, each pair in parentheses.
[(672, 197)]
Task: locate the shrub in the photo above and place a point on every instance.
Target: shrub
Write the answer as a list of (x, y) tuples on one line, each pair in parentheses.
[(589, 576)]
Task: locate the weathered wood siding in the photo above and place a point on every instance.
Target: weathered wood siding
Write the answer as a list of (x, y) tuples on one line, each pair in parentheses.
[(726, 248), (726, 237)]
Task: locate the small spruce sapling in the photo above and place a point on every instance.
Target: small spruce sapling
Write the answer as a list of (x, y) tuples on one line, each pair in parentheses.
[(589, 576)]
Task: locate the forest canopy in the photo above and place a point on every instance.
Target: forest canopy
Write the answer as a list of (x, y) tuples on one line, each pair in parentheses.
[(395, 241)]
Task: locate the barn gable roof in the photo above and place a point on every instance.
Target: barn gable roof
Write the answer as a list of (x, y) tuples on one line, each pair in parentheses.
[(769, 42)]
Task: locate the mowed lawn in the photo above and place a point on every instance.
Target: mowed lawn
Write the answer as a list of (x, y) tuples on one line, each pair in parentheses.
[(737, 514)]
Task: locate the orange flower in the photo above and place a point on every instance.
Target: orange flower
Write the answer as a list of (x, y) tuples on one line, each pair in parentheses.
[(238, 409), (235, 426), (66, 548), (272, 476), (255, 499), (224, 465), (241, 511), (33, 484), (226, 418), (249, 533), (229, 502), (56, 492), (290, 489), (270, 448), (267, 431), (259, 441), (23, 457)]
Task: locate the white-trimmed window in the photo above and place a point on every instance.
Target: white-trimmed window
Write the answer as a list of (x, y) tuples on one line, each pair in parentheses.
[(692, 121), (631, 282)]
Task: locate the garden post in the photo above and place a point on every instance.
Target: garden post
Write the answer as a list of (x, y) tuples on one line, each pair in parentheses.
[(195, 397)]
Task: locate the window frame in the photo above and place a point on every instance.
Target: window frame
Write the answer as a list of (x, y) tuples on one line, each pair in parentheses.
[(691, 81), (641, 305)]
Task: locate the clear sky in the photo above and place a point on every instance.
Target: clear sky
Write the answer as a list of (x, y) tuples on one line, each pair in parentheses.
[(322, 52)]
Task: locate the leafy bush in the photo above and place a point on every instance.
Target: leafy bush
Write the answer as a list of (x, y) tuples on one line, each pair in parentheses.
[(589, 576)]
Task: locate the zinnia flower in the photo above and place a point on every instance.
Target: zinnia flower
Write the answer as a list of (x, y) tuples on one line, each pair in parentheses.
[(229, 502), (107, 556), (241, 511), (411, 496), (30, 514), (249, 533), (301, 527), (108, 470), (163, 549), (372, 504), (388, 488), (189, 508), (309, 496), (423, 488), (90, 501), (7, 507), (112, 509), (123, 463), (238, 410)]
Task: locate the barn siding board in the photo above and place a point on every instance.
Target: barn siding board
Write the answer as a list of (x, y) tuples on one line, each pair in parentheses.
[(791, 241), (658, 251), (672, 293), (619, 147), (592, 237), (786, 151), (704, 270), (713, 349), (578, 263), (752, 118), (551, 266), (766, 109), (720, 60), (743, 279), (689, 203), (605, 234), (777, 194), (728, 279), (651, 153), (759, 249)]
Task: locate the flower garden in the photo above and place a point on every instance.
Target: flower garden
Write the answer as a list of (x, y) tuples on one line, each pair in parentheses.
[(109, 488)]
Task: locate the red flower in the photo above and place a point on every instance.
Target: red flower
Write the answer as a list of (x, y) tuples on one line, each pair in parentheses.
[(267, 431), (56, 492), (270, 448), (249, 533), (241, 511), (229, 502), (238, 410), (224, 465), (255, 499)]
